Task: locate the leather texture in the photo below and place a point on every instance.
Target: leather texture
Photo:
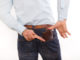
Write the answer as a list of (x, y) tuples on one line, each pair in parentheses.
[(48, 35)]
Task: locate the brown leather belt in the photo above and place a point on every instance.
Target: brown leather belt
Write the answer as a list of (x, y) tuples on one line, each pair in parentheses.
[(38, 26)]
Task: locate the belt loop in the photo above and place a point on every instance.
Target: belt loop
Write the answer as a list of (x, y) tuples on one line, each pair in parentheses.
[(33, 26)]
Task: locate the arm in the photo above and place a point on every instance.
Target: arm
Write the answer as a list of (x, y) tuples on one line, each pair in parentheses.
[(62, 9), (62, 17), (7, 18)]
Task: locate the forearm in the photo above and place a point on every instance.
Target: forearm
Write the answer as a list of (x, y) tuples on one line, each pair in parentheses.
[(63, 6), (7, 18), (11, 22)]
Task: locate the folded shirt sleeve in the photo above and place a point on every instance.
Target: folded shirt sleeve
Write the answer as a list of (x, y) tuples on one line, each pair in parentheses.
[(7, 18), (62, 9)]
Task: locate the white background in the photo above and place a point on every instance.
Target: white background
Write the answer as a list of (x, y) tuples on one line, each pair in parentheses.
[(70, 47)]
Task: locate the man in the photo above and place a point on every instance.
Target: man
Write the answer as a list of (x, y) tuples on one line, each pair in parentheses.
[(34, 18)]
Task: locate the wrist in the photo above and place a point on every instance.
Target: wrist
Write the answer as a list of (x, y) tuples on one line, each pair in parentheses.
[(23, 31), (26, 30)]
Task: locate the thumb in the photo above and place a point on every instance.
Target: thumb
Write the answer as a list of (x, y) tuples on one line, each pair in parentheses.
[(52, 27)]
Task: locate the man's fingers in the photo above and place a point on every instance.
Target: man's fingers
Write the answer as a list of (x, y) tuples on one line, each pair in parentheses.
[(68, 33), (55, 26), (52, 27), (32, 36), (65, 35), (40, 38), (62, 35), (27, 38)]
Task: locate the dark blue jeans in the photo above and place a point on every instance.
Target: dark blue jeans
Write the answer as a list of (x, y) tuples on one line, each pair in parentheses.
[(49, 50)]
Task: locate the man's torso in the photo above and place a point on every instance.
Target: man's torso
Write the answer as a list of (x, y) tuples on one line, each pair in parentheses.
[(33, 12)]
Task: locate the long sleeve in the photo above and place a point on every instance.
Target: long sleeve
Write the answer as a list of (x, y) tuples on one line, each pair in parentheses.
[(7, 18), (62, 9)]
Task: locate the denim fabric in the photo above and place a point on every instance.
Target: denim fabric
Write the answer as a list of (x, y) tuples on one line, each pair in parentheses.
[(49, 50)]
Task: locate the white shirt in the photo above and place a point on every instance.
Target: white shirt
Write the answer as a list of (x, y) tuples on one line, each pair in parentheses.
[(30, 12)]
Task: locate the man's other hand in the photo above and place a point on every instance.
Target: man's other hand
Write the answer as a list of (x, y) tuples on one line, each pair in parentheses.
[(61, 27), (29, 35)]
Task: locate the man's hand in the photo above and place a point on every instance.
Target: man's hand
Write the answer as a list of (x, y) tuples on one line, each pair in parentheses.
[(61, 27), (29, 35)]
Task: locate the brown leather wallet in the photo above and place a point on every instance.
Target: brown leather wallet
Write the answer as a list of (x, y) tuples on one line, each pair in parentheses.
[(48, 35)]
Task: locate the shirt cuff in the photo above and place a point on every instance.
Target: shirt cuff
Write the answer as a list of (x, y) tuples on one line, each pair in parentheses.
[(62, 15), (20, 29), (62, 18)]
